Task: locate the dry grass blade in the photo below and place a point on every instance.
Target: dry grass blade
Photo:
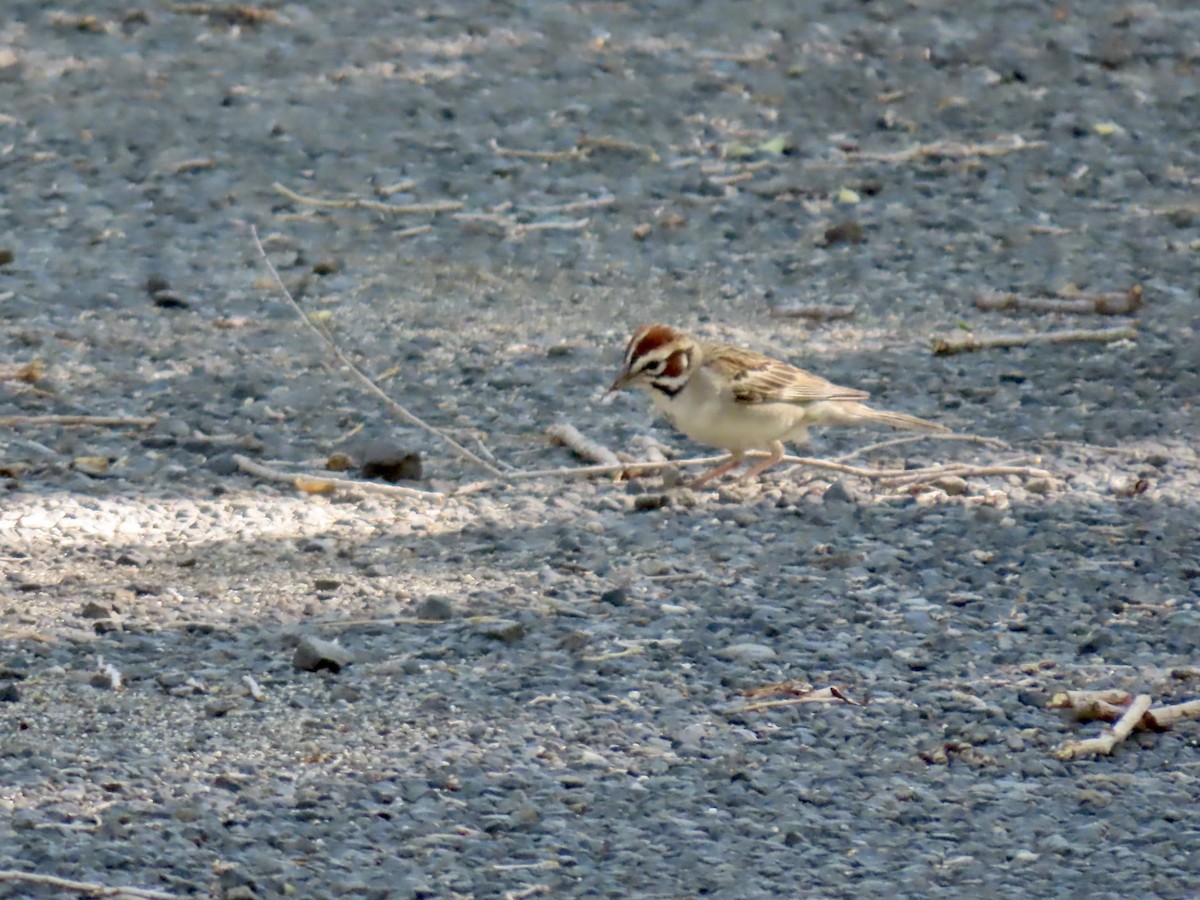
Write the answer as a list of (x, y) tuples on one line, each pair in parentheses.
[(323, 484), (1120, 303), (90, 888), (401, 411), (439, 206), (101, 421), (949, 344)]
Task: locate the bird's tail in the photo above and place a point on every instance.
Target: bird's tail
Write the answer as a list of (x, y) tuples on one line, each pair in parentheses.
[(860, 412)]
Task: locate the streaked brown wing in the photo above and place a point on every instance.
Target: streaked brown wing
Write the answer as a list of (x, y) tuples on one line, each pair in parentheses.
[(759, 379)]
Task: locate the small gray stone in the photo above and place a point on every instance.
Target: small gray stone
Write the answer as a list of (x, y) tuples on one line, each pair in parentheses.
[(617, 596), (435, 609), (1039, 485), (838, 493), (747, 653), (386, 459), (345, 692), (1095, 642), (313, 654), (507, 630), (650, 502), (223, 464), (10, 693), (952, 485), (94, 610)]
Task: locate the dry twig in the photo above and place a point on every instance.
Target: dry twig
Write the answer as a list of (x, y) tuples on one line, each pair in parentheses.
[(1166, 716), (103, 421), (900, 476), (358, 373), (92, 888), (323, 484), (1120, 303), (815, 312), (950, 150), (569, 436), (947, 345), (912, 438), (796, 692), (1104, 744), (919, 476), (439, 206), (539, 155), (30, 372)]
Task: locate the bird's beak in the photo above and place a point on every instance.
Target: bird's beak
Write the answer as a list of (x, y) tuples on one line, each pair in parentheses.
[(619, 385)]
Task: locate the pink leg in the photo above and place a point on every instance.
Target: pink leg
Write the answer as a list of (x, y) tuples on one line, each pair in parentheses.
[(735, 460), (777, 450)]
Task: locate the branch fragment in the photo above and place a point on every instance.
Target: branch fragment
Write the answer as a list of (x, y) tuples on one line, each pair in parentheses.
[(371, 386), (439, 206), (91, 888), (947, 345), (104, 421), (583, 447), (1105, 743), (1119, 303), (323, 484)]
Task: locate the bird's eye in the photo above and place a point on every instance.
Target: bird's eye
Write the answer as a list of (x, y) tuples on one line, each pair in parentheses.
[(655, 367)]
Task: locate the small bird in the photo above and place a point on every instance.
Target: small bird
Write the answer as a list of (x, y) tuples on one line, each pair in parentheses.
[(739, 400)]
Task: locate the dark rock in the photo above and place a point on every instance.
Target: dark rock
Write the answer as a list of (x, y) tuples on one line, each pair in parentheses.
[(507, 630), (848, 232), (617, 596), (838, 493), (435, 609), (314, 654), (94, 610), (383, 458)]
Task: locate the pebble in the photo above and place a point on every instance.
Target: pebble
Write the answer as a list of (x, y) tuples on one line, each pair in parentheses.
[(315, 654), (435, 609)]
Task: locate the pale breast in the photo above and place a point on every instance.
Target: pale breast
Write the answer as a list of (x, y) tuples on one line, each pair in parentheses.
[(706, 415)]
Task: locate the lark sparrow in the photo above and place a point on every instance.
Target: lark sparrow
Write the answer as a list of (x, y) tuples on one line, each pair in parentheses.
[(739, 400)]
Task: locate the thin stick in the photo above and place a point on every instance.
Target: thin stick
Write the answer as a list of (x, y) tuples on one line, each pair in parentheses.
[(960, 343), (821, 695), (1121, 303), (411, 232), (540, 155), (896, 442), (951, 150), (1104, 744), (576, 206), (367, 382), (85, 887), (554, 225), (319, 484), (962, 471), (1081, 699), (650, 466), (815, 312), (439, 206), (584, 447), (618, 145), (1165, 716), (114, 421)]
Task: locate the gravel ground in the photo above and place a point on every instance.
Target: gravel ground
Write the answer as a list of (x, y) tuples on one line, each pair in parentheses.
[(547, 691)]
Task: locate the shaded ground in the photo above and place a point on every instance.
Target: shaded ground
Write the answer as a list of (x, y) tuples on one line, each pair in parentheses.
[(576, 727)]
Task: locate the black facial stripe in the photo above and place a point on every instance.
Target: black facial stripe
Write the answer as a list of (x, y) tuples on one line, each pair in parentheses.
[(666, 388)]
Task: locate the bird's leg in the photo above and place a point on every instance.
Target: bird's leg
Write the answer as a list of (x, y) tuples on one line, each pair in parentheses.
[(735, 460), (777, 450)]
